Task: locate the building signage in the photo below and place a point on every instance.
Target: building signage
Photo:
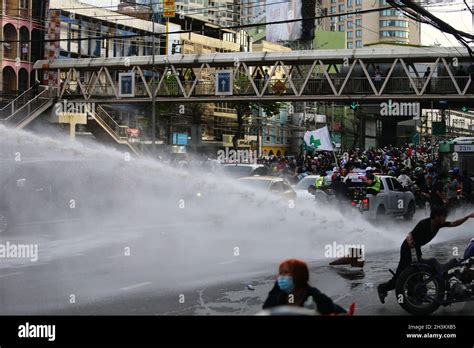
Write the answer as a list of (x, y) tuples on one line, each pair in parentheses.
[(224, 82), (464, 148)]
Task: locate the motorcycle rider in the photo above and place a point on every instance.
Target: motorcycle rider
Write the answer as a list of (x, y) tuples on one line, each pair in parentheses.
[(404, 179), (419, 177), (452, 187), (421, 235), (437, 197), (466, 184)]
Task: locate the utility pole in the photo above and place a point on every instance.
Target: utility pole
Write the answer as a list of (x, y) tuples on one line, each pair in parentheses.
[(153, 97)]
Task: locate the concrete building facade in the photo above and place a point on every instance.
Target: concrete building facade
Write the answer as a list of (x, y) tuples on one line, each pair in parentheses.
[(388, 25), (22, 23)]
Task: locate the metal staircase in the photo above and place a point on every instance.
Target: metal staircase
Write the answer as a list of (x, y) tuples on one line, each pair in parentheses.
[(105, 129), (28, 106)]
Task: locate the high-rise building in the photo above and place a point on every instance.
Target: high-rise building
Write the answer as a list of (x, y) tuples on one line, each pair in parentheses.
[(385, 26), (224, 13)]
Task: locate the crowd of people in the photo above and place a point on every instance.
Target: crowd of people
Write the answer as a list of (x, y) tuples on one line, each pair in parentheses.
[(417, 168)]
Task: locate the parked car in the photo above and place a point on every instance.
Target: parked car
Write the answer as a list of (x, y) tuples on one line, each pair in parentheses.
[(301, 189), (46, 191), (240, 170), (271, 184)]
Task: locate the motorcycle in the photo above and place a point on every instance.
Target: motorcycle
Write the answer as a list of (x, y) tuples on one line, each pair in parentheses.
[(421, 200), (427, 284), (359, 199)]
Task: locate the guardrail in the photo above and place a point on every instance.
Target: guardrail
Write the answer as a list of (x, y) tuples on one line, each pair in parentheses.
[(116, 131), (38, 102), (313, 86), (21, 100)]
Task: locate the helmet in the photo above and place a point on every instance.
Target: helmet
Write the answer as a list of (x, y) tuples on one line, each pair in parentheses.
[(429, 166), (418, 170), (456, 170), (391, 173)]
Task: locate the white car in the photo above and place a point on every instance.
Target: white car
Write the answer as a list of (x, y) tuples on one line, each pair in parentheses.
[(392, 200), (301, 189), (240, 170)]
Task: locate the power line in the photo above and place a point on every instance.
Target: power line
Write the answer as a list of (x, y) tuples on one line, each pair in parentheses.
[(44, 22)]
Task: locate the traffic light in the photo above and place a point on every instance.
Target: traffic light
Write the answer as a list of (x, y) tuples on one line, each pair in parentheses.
[(354, 105), (464, 108)]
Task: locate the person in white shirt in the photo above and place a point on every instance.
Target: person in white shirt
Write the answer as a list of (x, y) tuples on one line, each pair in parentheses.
[(404, 179)]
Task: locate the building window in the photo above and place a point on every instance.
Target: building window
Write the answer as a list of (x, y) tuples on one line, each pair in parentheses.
[(358, 2), (333, 19), (349, 3), (358, 10), (349, 34), (23, 4), (349, 24), (394, 23), (358, 33), (358, 22), (340, 27), (342, 18), (349, 45), (358, 44), (387, 13), (394, 33), (333, 9), (342, 8)]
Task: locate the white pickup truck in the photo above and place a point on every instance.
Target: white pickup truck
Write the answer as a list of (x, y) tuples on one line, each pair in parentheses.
[(392, 200)]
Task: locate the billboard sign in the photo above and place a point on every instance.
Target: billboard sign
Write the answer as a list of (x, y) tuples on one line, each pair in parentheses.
[(276, 11), (127, 85)]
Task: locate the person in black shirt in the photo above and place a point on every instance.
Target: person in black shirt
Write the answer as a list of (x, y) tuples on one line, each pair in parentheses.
[(437, 198), (421, 235)]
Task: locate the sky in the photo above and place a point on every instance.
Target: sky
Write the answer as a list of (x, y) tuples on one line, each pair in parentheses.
[(101, 3), (461, 20)]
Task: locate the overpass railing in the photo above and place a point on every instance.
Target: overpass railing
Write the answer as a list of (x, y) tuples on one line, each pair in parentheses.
[(311, 86)]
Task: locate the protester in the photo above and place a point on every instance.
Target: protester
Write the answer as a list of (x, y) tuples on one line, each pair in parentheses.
[(292, 288)]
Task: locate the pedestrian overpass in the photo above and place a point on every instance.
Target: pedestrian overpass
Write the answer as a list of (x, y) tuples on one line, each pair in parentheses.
[(367, 75), (318, 75)]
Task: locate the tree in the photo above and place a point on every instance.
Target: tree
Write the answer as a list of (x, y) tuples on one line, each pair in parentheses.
[(244, 109)]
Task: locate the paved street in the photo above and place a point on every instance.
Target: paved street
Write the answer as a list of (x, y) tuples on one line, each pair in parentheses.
[(170, 271)]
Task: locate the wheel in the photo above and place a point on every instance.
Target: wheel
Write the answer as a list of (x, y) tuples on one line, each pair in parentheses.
[(380, 215), (418, 290), (410, 212)]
